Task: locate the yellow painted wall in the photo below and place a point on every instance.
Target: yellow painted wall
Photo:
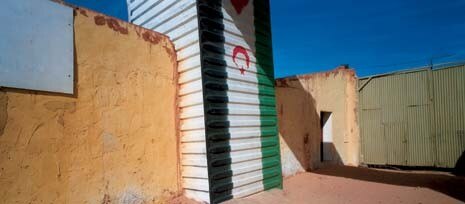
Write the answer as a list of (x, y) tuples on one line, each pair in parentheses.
[(299, 102), (114, 141)]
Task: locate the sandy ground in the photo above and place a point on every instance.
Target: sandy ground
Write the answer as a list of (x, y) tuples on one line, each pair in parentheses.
[(363, 185)]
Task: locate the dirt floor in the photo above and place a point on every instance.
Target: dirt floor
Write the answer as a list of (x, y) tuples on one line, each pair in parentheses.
[(337, 184), (363, 185)]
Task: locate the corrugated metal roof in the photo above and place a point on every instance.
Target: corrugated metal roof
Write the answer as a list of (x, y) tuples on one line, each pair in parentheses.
[(417, 69)]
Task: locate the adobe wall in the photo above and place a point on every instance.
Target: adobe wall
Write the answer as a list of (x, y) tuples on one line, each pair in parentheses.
[(300, 100), (114, 141)]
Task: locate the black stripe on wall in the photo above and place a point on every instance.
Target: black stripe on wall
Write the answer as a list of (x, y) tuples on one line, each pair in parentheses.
[(212, 51)]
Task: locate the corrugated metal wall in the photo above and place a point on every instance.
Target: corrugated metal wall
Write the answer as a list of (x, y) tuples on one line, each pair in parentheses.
[(413, 118), (229, 136), (449, 112), (254, 144)]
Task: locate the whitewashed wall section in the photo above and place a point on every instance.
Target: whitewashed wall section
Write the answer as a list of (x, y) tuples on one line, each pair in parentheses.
[(229, 142), (36, 46)]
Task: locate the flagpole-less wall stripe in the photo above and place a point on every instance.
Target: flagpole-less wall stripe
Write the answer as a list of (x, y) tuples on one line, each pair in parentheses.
[(264, 57), (229, 135)]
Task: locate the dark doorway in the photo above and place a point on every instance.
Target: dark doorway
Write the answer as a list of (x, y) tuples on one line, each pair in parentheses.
[(327, 146)]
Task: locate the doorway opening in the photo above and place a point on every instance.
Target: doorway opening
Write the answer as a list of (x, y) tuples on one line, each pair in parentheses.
[(327, 146)]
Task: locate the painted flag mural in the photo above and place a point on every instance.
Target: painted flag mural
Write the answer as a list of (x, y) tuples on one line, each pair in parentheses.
[(228, 123)]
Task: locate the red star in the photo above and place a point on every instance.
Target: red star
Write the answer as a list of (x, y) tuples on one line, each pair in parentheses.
[(242, 70)]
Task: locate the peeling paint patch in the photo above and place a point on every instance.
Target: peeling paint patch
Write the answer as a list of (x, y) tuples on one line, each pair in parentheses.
[(151, 37), (83, 12), (99, 20), (171, 53), (111, 23), (3, 111), (114, 24)]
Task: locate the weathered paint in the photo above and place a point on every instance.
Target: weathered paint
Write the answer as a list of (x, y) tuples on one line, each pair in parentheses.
[(228, 121), (413, 118), (114, 141), (300, 100), (112, 23), (36, 46)]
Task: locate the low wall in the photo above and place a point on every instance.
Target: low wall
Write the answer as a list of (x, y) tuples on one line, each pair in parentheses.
[(300, 100), (113, 141)]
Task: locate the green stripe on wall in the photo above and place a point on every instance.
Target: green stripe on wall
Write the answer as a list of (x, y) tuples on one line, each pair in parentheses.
[(271, 161)]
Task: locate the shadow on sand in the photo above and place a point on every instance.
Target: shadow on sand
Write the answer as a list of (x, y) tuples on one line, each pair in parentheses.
[(450, 185)]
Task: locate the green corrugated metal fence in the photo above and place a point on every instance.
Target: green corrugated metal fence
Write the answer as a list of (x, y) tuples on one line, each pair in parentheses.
[(413, 118)]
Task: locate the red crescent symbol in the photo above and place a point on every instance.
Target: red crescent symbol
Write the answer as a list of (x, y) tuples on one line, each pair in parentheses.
[(241, 50)]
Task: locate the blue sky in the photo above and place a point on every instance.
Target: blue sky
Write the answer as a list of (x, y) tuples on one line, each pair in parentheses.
[(371, 36), (115, 8)]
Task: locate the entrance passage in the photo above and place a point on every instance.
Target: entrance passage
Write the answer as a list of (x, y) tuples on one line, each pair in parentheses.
[(327, 146)]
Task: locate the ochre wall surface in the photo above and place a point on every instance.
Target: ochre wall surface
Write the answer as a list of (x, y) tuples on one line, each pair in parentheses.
[(114, 141), (300, 100)]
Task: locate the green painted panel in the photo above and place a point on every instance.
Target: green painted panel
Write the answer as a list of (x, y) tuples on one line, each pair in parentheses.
[(396, 143), (419, 136), (449, 106), (264, 55), (373, 148), (413, 118)]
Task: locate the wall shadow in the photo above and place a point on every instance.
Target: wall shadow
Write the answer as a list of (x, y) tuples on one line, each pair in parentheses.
[(299, 123), (459, 169), (447, 184), (300, 128), (328, 148)]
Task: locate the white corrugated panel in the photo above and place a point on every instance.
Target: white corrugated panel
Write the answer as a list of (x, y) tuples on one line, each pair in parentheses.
[(229, 143)]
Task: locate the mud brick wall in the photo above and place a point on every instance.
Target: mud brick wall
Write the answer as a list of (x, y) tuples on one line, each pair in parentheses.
[(300, 101), (113, 141)]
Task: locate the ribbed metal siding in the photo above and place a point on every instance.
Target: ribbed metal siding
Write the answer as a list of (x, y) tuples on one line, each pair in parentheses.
[(229, 136), (256, 118), (373, 148), (395, 120), (242, 141), (449, 106), (414, 118), (179, 21), (418, 119)]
